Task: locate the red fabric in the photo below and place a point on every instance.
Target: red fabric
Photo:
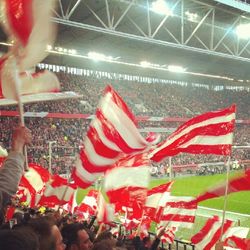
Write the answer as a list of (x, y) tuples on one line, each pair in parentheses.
[(236, 242), (20, 18)]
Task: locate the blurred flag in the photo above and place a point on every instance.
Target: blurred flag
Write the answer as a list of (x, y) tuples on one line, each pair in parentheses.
[(236, 184), (127, 183), (156, 200), (57, 191)]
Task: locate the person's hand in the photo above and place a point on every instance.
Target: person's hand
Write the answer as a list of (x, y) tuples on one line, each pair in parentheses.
[(20, 137)]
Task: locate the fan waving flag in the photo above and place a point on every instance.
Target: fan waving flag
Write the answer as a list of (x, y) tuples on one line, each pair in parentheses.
[(236, 184), (112, 135), (209, 133)]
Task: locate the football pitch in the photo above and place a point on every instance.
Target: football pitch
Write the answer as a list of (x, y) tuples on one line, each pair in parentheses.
[(237, 205)]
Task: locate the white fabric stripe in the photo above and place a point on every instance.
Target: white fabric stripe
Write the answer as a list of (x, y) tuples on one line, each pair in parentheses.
[(122, 123), (95, 158), (209, 140), (207, 238), (83, 174), (164, 199), (211, 121), (97, 125), (90, 201), (153, 200), (177, 224), (179, 211), (240, 232), (127, 176), (34, 179), (62, 192)]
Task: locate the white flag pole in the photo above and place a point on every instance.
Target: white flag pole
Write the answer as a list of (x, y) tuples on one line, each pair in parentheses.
[(225, 197), (17, 83)]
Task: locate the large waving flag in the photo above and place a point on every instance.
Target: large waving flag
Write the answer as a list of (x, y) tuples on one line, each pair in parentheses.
[(209, 133), (112, 135), (127, 183), (236, 184)]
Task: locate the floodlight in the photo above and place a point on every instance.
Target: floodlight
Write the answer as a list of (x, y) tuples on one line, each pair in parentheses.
[(145, 64), (49, 47), (243, 31), (176, 68), (161, 7)]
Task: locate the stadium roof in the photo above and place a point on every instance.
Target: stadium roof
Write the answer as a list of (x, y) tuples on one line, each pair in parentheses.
[(200, 36)]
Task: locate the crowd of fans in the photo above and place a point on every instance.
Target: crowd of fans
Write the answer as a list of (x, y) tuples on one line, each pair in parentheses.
[(156, 99)]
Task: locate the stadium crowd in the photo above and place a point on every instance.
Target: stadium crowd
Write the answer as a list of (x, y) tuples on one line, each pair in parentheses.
[(156, 99)]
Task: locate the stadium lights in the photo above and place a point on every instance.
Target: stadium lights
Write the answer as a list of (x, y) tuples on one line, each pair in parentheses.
[(243, 31), (192, 17), (161, 7), (100, 57), (176, 68), (145, 64)]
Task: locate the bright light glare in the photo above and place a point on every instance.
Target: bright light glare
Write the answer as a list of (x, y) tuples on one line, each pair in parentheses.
[(175, 68), (99, 57), (49, 47), (161, 7), (145, 64), (243, 31), (191, 16)]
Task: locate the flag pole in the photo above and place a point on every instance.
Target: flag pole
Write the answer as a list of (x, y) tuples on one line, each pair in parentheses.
[(170, 168), (20, 107), (225, 197)]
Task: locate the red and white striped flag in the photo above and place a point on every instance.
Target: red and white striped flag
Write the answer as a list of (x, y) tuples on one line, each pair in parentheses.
[(178, 212), (239, 234), (27, 23), (112, 135), (236, 243), (156, 200), (210, 234), (57, 192), (127, 183), (236, 184), (209, 133), (169, 234), (105, 211), (34, 180), (89, 204)]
